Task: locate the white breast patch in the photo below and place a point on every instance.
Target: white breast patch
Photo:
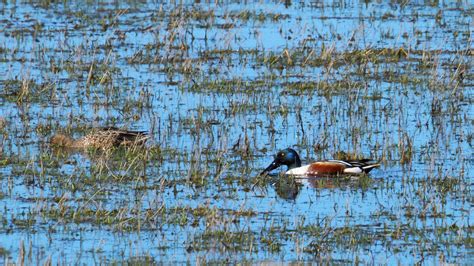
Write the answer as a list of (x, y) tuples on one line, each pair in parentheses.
[(299, 171)]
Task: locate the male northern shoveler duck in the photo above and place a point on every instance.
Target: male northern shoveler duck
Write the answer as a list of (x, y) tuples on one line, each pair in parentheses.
[(290, 158), (103, 138)]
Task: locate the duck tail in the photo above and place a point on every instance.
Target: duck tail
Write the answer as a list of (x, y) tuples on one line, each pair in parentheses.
[(127, 137), (137, 137), (367, 168), (364, 165)]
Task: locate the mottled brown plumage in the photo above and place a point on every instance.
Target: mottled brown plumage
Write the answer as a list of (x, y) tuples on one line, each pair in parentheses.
[(104, 138)]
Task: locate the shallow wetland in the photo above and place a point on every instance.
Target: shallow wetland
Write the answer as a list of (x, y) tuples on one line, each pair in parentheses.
[(221, 87)]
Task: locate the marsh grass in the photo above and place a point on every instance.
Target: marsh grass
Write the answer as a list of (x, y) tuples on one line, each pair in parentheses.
[(219, 97)]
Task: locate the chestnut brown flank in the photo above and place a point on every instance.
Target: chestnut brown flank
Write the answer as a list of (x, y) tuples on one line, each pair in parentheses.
[(325, 168)]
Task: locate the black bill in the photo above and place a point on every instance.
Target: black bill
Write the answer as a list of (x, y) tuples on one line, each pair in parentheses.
[(272, 166)]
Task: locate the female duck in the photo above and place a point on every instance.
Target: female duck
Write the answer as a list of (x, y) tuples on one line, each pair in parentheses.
[(290, 158), (103, 138)]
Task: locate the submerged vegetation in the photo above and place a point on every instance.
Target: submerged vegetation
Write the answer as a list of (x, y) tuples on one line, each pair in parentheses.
[(219, 88)]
